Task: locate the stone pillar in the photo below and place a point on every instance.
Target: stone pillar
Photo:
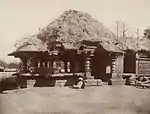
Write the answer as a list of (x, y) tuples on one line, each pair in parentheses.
[(137, 64), (68, 66), (87, 67), (55, 67), (32, 64), (24, 65)]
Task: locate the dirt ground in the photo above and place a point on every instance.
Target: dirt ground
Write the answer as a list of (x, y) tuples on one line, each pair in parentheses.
[(64, 100)]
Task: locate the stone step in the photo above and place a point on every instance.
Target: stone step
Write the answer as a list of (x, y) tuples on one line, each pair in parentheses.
[(118, 81), (30, 83), (94, 82), (60, 83), (88, 82)]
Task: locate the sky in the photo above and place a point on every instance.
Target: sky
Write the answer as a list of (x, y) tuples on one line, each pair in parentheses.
[(19, 18)]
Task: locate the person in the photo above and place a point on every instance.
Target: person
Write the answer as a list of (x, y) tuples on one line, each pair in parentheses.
[(80, 84)]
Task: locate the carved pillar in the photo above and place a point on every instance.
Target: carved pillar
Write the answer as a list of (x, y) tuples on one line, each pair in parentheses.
[(68, 66), (32, 64), (24, 65), (55, 67), (88, 67), (137, 63)]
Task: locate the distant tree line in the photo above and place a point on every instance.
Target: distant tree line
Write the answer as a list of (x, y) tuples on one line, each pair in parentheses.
[(122, 30), (147, 32), (9, 65)]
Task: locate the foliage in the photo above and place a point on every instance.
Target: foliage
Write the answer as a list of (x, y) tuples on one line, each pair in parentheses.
[(29, 43), (147, 33), (13, 65), (73, 27), (3, 63)]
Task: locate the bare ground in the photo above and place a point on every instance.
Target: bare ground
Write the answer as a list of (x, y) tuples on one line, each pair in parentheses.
[(92, 100)]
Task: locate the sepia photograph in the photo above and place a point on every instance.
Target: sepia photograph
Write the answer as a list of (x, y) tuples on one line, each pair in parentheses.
[(74, 57)]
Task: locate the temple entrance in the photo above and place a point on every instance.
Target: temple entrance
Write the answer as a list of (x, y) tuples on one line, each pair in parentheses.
[(101, 65), (129, 63), (98, 66)]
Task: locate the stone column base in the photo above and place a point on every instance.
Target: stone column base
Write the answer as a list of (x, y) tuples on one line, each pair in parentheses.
[(88, 75)]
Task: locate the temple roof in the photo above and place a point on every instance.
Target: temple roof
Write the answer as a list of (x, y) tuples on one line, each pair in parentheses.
[(72, 28)]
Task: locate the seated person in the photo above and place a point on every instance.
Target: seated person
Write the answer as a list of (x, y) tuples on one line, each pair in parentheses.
[(80, 84)]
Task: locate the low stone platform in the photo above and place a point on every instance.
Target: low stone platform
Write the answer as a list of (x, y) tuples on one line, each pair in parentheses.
[(30, 83), (118, 81), (94, 82), (60, 83), (88, 82)]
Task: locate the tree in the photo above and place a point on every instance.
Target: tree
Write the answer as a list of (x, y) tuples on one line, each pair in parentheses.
[(3, 63), (117, 29), (147, 32), (13, 65), (137, 33), (124, 29), (121, 29)]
